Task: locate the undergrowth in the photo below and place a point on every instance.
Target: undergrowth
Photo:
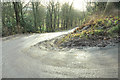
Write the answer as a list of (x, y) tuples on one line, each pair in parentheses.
[(109, 25)]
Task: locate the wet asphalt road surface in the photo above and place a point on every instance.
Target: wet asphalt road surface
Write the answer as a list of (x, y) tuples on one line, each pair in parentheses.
[(20, 60)]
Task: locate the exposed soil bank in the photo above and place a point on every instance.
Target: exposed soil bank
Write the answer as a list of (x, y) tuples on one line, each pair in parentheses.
[(100, 32), (95, 41)]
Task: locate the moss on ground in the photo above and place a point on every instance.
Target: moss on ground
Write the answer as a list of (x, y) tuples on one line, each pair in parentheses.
[(107, 26)]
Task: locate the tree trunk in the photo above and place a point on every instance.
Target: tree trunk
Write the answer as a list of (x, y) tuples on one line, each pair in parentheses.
[(54, 20), (34, 14), (16, 9), (23, 25)]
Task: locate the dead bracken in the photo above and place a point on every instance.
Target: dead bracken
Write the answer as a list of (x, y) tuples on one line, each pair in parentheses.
[(99, 33)]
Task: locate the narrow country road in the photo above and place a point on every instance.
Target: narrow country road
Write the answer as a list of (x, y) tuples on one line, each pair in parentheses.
[(21, 61)]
